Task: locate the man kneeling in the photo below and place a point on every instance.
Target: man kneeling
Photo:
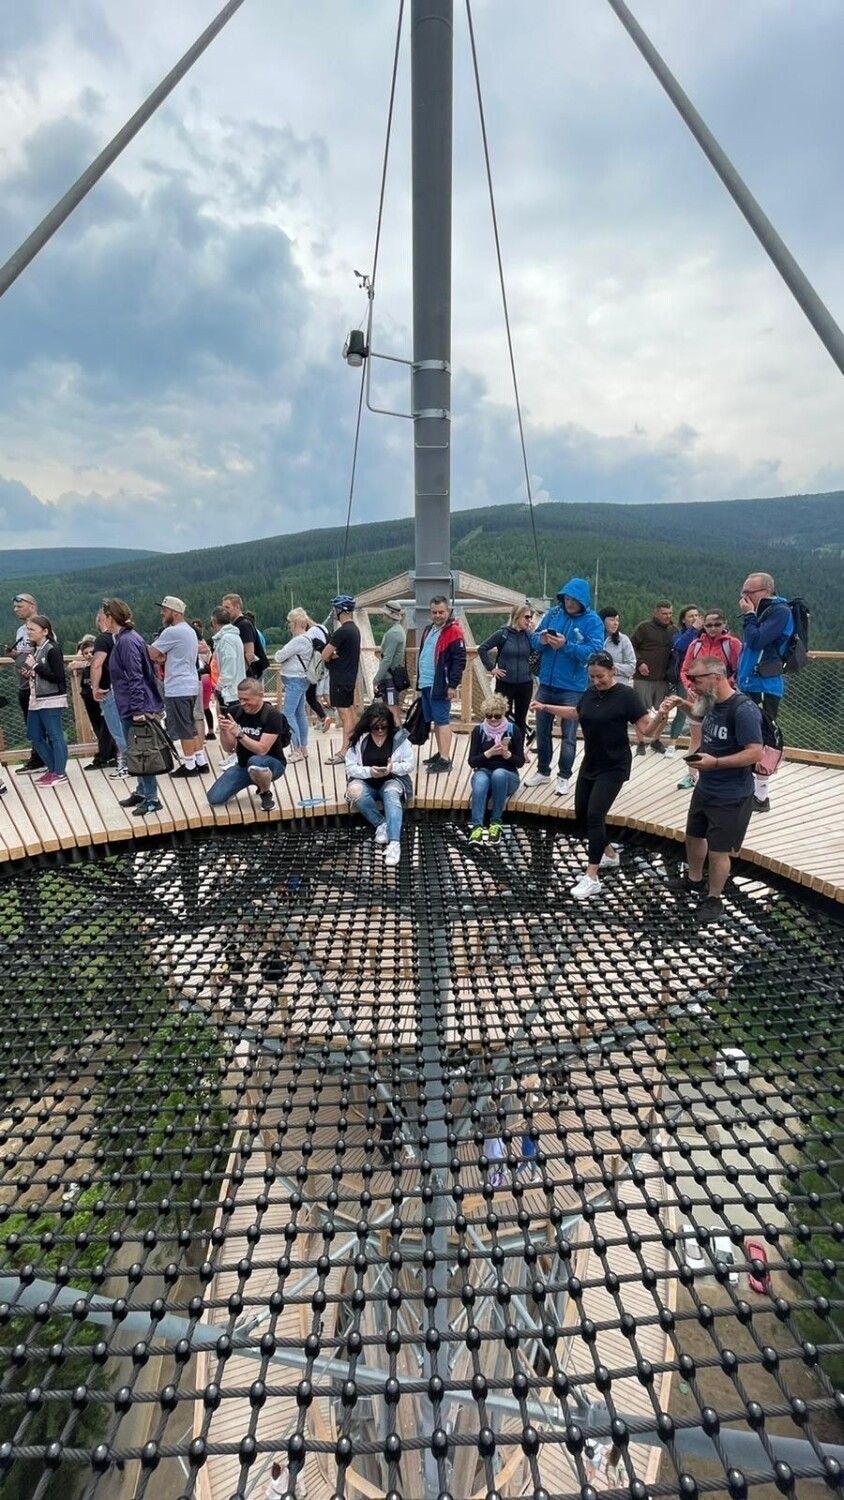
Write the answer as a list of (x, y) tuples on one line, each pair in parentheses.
[(257, 734)]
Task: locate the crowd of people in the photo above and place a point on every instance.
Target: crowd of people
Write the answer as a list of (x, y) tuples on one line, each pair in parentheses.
[(573, 667)]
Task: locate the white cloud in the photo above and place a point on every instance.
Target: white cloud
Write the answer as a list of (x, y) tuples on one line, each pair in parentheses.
[(170, 364)]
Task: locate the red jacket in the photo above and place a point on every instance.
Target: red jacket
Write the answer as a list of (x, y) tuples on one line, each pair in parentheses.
[(726, 645)]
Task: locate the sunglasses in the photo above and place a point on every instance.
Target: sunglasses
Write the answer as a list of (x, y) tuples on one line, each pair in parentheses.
[(22, 599)]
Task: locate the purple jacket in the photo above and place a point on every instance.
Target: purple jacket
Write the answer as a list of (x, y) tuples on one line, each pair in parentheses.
[(133, 678)]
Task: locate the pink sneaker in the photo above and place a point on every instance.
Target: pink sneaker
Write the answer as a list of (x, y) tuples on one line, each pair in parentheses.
[(47, 779), (58, 778)]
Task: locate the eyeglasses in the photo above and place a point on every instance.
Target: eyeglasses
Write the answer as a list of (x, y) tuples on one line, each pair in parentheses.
[(494, 718)]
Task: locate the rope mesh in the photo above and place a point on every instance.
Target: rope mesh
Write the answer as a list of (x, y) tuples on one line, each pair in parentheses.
[(422, 1181)]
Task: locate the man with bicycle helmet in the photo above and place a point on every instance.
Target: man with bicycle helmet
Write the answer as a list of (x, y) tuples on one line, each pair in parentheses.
[(343, 657)]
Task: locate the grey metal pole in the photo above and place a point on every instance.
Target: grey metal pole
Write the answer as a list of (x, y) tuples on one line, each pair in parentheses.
[(36, 241), (432, 50), (795, 279)]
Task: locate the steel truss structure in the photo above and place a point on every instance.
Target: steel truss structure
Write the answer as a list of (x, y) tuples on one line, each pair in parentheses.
[(424, 1182)]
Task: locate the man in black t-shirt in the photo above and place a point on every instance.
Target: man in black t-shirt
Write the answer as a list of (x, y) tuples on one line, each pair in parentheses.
[(343, 656), (253, 652), (730, 747), (257, 734)]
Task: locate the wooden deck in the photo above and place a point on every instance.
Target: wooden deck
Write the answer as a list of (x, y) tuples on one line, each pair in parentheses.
[(802, 837)]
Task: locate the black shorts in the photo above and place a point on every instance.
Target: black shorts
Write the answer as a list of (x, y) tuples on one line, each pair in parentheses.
[(722, 824), (340, 696)]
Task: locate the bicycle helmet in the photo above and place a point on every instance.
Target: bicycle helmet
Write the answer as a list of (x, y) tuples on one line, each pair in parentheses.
[(344, 604)]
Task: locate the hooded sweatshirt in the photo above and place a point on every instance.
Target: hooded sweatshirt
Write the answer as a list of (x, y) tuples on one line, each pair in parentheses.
[(231, 662), (583, 634)]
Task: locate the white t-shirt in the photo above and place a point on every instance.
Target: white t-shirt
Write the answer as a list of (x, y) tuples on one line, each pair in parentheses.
[(179, 645)]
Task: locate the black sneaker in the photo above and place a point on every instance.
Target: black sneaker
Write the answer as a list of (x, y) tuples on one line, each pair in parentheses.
[(203, 769), (3, 789), (757, 805), (96, 765), (30, 768), (267, 802), (430, 759), (210, 735), (641, 749), (438, 766), (146, 807), (658, 747), (709, 910), (134, 801), (185, 771), (683, 886)]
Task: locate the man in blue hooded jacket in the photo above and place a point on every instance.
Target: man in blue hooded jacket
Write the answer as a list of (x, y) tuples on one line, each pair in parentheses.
[(768, 625), (568, 635)]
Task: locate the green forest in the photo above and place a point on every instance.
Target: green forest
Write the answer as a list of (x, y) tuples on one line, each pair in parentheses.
[(25, 562), (688, 553)]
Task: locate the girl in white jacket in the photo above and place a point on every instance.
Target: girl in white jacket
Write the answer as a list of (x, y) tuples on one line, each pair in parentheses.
[(379, 766)]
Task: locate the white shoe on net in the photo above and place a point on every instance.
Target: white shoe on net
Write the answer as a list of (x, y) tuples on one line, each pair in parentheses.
[(586, 888), (393, 854), (381, 834), (610, 861)]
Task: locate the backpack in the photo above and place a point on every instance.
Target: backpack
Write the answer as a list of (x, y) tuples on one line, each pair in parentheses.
[(416, 726), (796, 654), (260, 661), (793, 648), (772, 741), (149, 748)]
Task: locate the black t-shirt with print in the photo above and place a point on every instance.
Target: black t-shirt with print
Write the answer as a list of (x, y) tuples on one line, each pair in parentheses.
[(267, 720), (604, 718)]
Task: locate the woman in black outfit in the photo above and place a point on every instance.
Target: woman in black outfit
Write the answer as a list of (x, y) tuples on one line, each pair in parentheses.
[(511, 668), (605, 710)]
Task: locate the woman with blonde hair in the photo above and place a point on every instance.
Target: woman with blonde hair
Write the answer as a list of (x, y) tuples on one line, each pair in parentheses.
[(294, 659), (511, 668), (496, 755)]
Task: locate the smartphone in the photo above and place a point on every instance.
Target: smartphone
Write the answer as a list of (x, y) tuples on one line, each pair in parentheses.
[(691, 759)]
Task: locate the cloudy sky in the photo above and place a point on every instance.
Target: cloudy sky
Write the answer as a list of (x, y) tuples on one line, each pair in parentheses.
[(170, 364)]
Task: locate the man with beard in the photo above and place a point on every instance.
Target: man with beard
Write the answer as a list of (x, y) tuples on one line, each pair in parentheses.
[(731, 744)]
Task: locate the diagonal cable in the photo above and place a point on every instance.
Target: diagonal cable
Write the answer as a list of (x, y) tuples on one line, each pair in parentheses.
[(39, 237), (503, 290), (371, 291)]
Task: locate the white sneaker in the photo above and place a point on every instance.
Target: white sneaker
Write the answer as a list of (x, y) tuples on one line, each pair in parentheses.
[(227, 761), (561, 789), (393, 854), (539, 778), (670, 750), (585, 888), (381, 834), (610, 861)]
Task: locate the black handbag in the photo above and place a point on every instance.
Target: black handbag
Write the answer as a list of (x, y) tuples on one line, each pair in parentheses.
[(417, 727), (401, 680), (149, 748)]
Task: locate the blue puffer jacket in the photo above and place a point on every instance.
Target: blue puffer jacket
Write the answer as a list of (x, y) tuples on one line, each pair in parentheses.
[(765, 634), (565, 667)]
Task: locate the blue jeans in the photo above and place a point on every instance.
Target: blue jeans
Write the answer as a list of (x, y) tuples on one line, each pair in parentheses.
[(562, 697), (147, 785), (114, 725), (237, 777), (499, 786), (295, 689), (375, 796), (46, 736)]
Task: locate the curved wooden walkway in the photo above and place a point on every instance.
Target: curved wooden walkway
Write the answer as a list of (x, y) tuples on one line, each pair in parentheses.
[(802, 837)]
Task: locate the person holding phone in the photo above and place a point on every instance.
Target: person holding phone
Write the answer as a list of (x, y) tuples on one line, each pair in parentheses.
[(605, 710), (496, 755), (379, 765)]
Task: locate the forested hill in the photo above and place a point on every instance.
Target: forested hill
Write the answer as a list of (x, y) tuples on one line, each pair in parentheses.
[(29, 562), (688, 553)]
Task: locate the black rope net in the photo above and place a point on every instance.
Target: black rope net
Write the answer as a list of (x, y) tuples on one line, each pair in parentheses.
[(417, 1182)]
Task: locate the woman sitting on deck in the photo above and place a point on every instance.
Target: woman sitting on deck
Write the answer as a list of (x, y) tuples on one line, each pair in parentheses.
[(379, 764), (496, 755)]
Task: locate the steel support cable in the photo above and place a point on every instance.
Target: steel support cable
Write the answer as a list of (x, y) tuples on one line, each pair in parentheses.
[(794, 277), (39, 237), (502, 284), (371, 289)]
